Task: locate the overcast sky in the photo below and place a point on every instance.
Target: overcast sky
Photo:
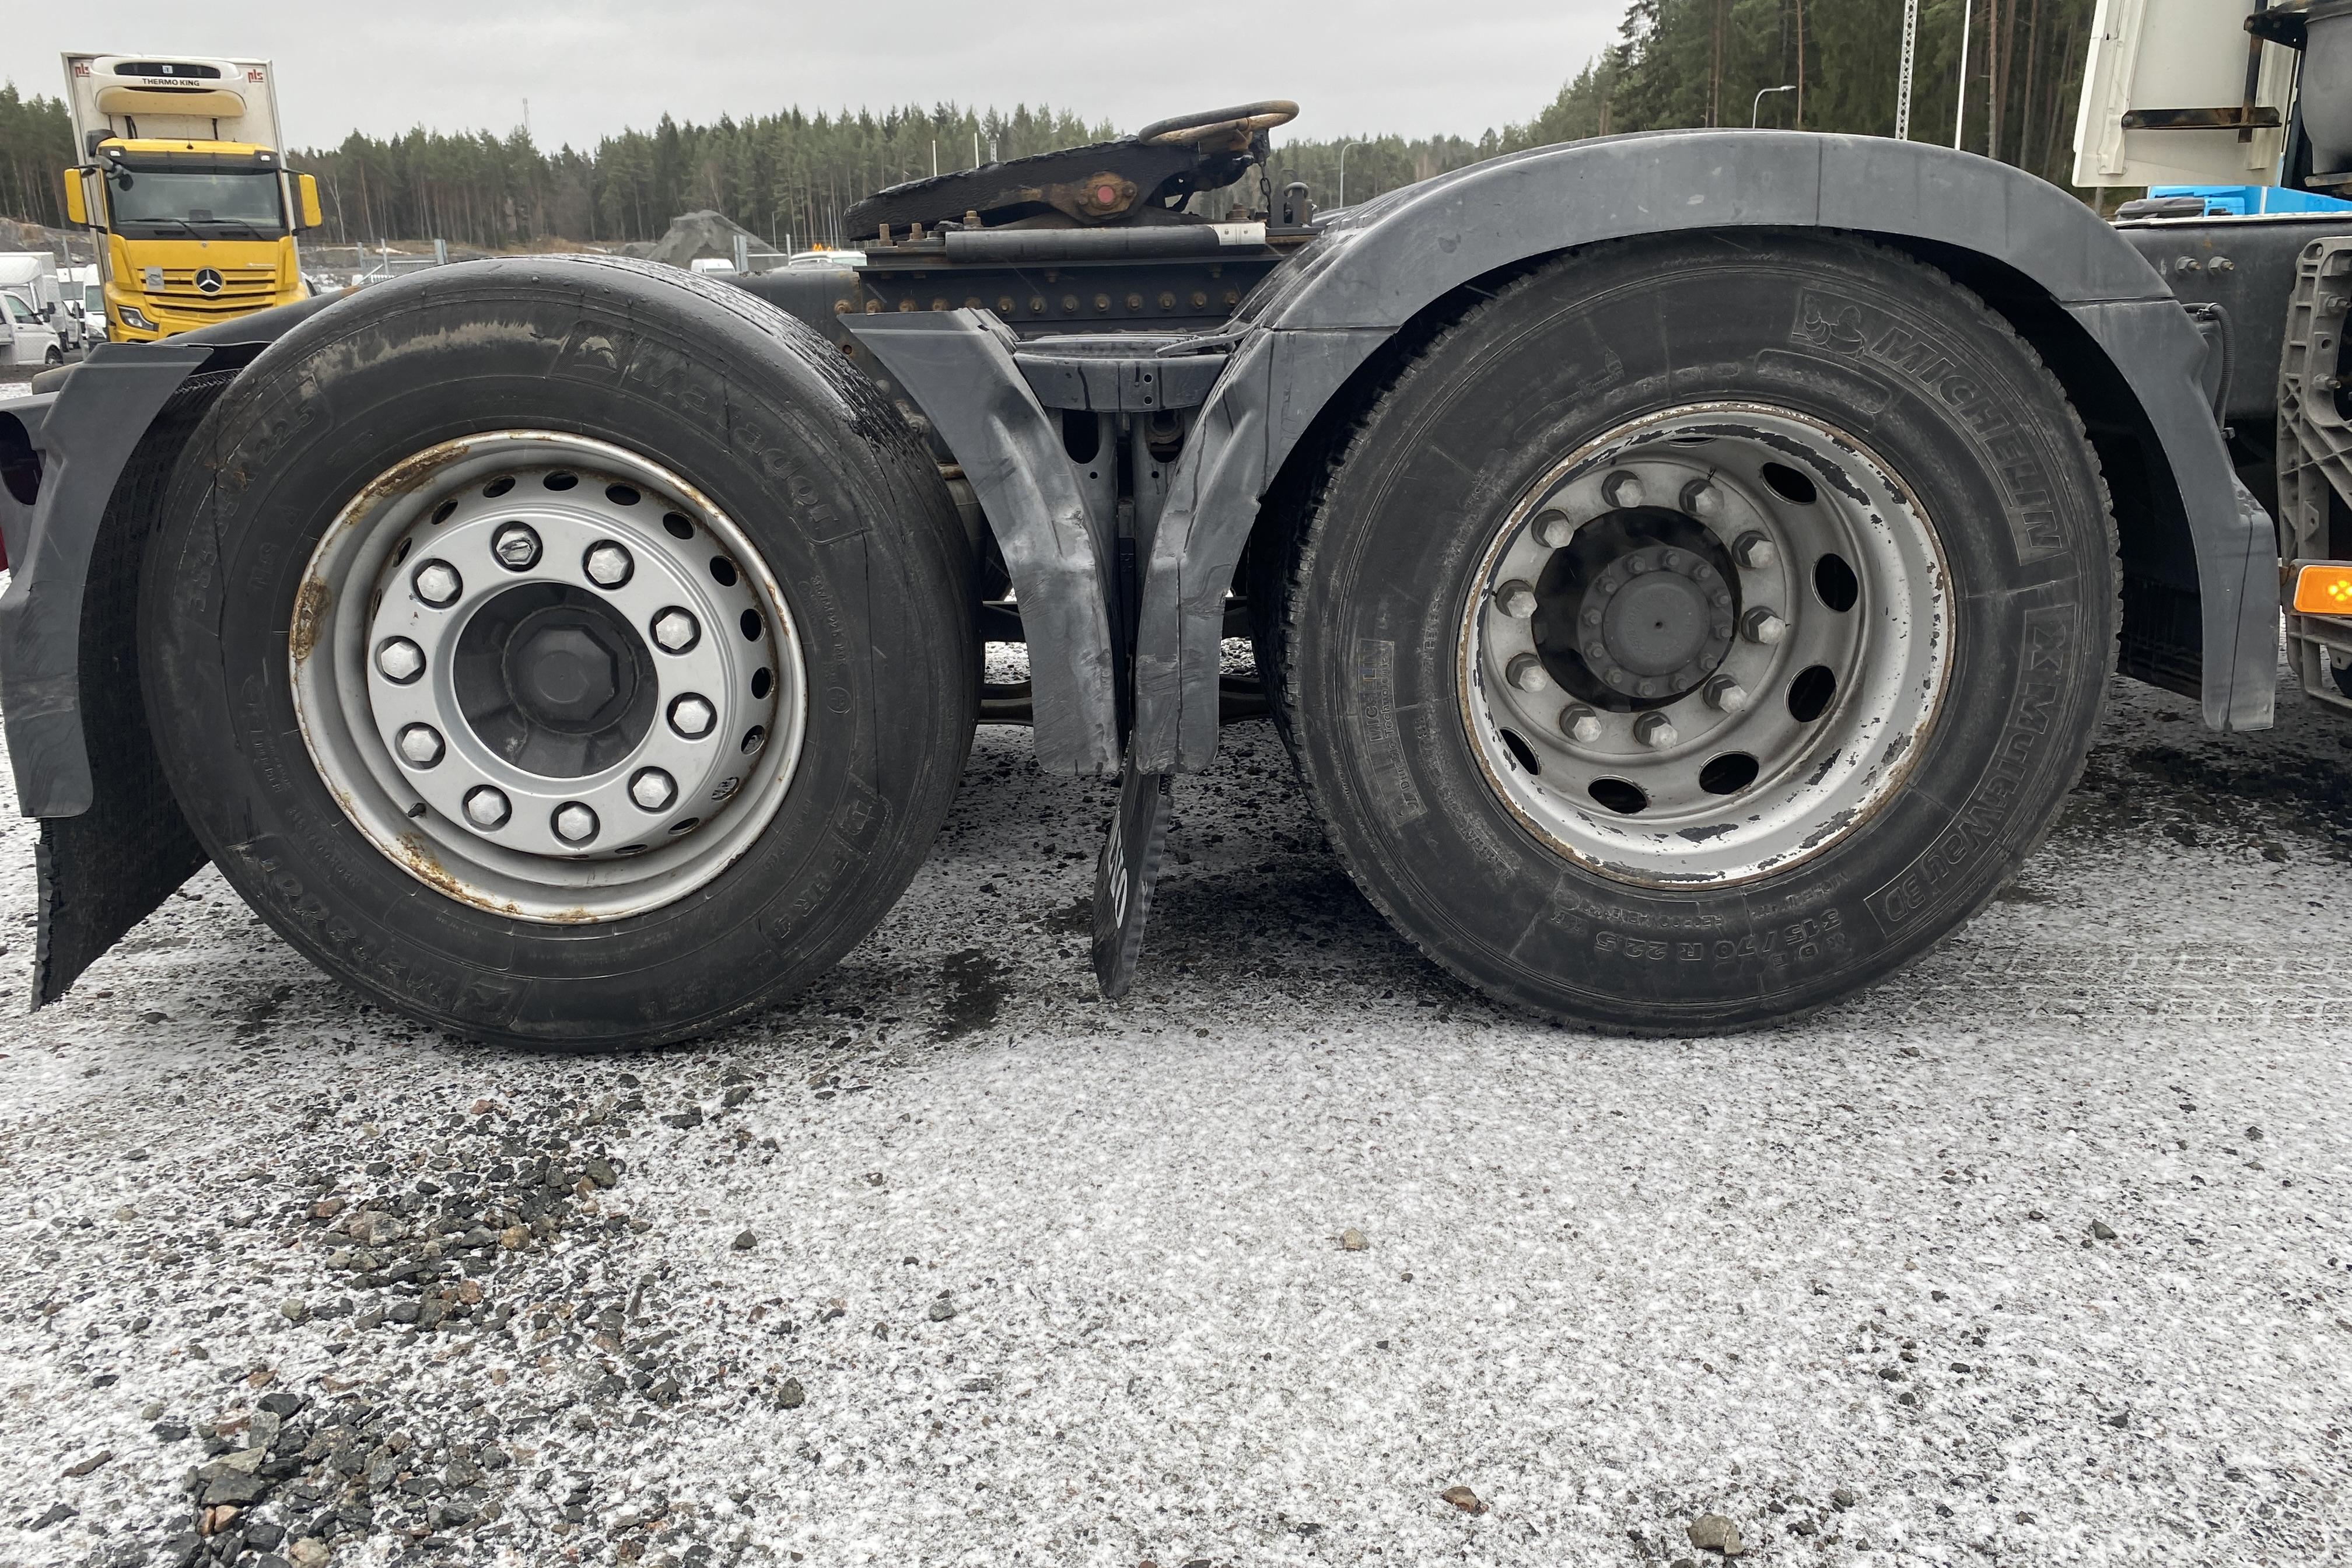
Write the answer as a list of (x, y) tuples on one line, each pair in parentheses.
[(590, 67)]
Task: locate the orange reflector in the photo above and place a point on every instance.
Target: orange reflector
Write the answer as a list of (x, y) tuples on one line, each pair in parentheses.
[(2325, 590)]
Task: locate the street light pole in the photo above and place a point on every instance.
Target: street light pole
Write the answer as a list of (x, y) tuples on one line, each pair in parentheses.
[(1960, 115), (1343, 169), (1757, 109), (1903, 88)]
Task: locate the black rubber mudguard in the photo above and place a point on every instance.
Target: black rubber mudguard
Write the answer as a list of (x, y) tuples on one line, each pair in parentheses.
[(1124, 875), (106, 869)]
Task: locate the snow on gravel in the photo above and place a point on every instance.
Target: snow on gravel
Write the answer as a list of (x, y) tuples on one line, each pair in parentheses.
[(2038, 1254)]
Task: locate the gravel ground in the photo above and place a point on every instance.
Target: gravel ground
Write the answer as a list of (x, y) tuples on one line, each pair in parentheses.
[(1306, 1254)]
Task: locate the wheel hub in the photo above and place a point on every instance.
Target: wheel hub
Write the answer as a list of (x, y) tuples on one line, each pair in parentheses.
[(1713, 690), (552, 679), (560, 675), (1658, 621)]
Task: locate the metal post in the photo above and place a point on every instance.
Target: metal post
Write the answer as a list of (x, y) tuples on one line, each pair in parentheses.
[(1960, 115), (440, 253), (1343, 169), (1757, 109), (743, 253), (1903, 91)]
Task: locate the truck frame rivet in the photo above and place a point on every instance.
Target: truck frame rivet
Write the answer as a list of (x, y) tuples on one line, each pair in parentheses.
[(421, 745), (1755, 551), (1656, 732), (400, 661), (608, 566), (438, 583), (486, 807), (1762, 626), (1527, 672)]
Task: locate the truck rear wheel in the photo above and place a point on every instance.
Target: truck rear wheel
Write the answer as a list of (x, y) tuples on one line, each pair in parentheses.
[(561, 651), (1747, 637)]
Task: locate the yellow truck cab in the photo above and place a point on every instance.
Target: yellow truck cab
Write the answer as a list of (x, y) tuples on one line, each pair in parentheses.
[(185, 189)]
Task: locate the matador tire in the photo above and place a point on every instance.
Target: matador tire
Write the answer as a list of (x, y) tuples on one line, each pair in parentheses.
[(668, 730)]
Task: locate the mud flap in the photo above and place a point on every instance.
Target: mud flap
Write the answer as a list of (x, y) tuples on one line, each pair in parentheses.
[(1125, 873), (106, 870), (108, 865)]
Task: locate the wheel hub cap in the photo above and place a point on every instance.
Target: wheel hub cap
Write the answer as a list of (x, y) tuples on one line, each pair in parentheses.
[(562, 674), (1663, 614)]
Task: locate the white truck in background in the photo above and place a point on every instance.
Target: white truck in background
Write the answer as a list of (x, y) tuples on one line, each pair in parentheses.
[(33, 276), (84, 287)]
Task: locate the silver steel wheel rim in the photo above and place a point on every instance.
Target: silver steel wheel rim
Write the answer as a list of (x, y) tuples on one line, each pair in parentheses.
[(1565, 721), (671, 795)]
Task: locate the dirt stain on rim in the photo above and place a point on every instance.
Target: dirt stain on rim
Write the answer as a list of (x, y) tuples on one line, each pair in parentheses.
[(416, 854), (311, 606)]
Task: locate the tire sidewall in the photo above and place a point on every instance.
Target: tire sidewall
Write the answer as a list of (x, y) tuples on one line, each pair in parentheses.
[(725, 396), (1863, 341)]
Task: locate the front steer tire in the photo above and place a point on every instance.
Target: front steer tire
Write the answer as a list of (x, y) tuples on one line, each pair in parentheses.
[(833, 500), (1382, 562)]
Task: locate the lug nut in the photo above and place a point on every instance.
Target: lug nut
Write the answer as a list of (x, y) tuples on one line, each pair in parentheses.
[(653, 789), (400, 661), (608, 566), (516, 547), (1656, 732), (1703, 500), (1579, 724), (1516, 600), (1755, 552), (421, 744), (1554, 529), (438, 583), (1527, 673), (575, 822), (1725, 695), (1622, 489), (486, 807), (692, 716), (675, 630), (1760, 625)]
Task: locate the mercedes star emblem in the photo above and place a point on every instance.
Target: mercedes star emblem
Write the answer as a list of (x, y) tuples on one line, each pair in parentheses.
[(209, 281)]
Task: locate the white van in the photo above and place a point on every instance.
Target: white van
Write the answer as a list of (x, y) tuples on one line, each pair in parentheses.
[(30, 340), (34, 275)]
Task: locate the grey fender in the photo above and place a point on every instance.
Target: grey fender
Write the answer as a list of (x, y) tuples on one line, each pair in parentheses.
[(86, 436), (1314, 323), (86, 426), (958, 363)]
